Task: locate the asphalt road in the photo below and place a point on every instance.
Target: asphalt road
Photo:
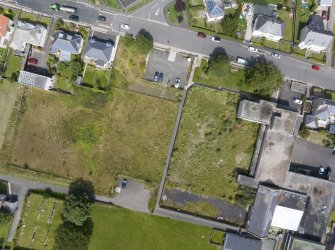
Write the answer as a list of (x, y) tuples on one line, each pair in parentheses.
[(187, 40)]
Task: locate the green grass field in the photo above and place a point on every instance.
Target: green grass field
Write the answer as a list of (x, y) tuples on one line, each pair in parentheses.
[(94, 135), (230, 80), (37, 214), (117, 228), (211, 145), (13, 65), (97, 78)]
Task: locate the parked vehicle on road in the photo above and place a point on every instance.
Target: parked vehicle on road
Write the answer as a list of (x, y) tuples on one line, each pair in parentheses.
[(74, 18), (241, 61), (201, 34), (160, 77), (124, 183), (101, 18), (276, 55), (177, 83), (216, 39), (33, 61), (125, 26), (315, 67), (68, 9), (252, 49), (156, 76)]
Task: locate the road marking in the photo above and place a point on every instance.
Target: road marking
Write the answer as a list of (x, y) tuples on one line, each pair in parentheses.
[(157, 12), (161, 23), (152, 9)]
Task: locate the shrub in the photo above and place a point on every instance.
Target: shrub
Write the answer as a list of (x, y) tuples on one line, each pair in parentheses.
[(180, 6)]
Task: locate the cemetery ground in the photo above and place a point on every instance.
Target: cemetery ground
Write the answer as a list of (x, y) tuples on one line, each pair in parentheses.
[(96, 136), (41, 216), (212, 147)]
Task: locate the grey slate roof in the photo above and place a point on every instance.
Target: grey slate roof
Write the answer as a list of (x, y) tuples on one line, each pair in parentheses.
[(269, 25), (323, 108), (66, 42), (266, 200), (236, 242), (309, 35), (99, 50), (265, 10)]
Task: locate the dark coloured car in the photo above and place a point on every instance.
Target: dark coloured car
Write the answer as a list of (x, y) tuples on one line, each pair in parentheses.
[(74, 18), (156, 76), (201, 34), (160, 77), (102, 18), (33, 61), (124, 183)]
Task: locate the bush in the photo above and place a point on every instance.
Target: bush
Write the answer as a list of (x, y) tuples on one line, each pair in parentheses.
[(77, 209), (180, 19), (180, 6)]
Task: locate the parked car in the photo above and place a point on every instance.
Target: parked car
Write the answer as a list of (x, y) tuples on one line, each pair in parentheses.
[(125, 26), (33, 61), (124, 183), (315, 67), (160, 77), (321, 171), (156, 76), (177, 83), (252, 49), (201, 34), (216, 39), (276, 55), (74, 18), (297, 101), (101, 18)]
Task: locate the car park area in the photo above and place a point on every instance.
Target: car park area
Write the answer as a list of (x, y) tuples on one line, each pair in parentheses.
[(165, 67)]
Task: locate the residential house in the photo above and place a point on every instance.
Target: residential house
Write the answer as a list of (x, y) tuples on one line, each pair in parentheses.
[(237, 242), (293, 243), (64, 45), (99, 52), (214, 10), (263, 10), (322, 115), (6, 30), (276, 208), (270, 28), (35, 80), (27, 33), (314, 37)]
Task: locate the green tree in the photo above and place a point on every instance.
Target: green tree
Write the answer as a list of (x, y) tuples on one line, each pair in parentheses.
[(72, 237), (144, 42), (230, 23), (76, 68), (264, 78), (77, 209), (216, 64)]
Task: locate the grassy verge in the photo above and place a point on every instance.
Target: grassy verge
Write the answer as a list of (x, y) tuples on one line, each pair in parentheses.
[(131, 230), (113, 4), (285, 46), (173, 14), (318, 57), (28, 17), (233, 80), (137, 5), (13, 66), (97, 78), (212, 145), (46, 21), (4, 229), (44, 215), (94, 135)]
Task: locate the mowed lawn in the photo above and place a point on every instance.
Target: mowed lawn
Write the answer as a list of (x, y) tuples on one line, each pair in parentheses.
[(211, 145), (44, 215), (117, 228), (94, 135), (13, 65), (96, 77)]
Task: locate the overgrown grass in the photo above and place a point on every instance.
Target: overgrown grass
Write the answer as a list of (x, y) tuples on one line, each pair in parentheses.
[(3, 53), (131, 230), (212, 145), (28, 17), (4, 229), (285, 46), (284, 16), (113, 4), (233, 80), (35, 215), (94, 135), (97, 78), (13, 65), (201, 207)]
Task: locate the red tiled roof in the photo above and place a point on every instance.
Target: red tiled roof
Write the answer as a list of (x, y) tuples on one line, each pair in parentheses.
[(3, 25)]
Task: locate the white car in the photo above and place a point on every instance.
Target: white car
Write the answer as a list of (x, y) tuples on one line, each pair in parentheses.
[(177, 83), (125, 26), (216, 39), (297, 101), (252, 49), (276, 55)]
